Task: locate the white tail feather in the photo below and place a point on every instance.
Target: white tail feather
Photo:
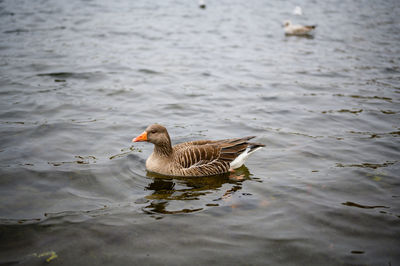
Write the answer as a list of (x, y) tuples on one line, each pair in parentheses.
[(241, 159)]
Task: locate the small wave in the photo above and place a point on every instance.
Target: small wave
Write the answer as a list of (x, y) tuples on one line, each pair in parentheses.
[(149, 71), (80, 160), (364, 97), (61, 76), (373, 135), (353, 204), (367, 165), (20, 221), (357, 252), (344, 111), (16, 31), (125, 152)]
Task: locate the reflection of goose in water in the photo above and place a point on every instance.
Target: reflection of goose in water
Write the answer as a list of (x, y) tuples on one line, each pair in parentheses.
[(298, 30), (184, 195)]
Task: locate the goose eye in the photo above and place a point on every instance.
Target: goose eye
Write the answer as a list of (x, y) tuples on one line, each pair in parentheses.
[(153, 131)]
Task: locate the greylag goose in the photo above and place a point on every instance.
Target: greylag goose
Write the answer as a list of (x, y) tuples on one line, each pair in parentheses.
[(291, 29), (194, 158)]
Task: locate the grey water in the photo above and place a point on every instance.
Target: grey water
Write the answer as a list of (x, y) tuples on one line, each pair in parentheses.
[(79, 79)]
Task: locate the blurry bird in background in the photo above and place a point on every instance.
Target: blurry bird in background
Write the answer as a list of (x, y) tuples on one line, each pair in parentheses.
[(297, 11), (202, 4), (291, 29)]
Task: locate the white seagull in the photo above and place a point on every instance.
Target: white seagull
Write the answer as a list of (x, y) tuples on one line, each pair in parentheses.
[(291, 29), (202, 4), (297, 11)]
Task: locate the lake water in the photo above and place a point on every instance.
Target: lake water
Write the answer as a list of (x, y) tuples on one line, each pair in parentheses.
[(79, 79)]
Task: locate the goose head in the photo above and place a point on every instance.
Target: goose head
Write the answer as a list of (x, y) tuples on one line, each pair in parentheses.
[(156, 134), (287, 23)]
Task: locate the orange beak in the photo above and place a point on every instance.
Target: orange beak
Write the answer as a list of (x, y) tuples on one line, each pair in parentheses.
[(141, 137)]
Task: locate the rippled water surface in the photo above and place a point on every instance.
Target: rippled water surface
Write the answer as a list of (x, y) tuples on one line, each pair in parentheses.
[(79, 79)]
